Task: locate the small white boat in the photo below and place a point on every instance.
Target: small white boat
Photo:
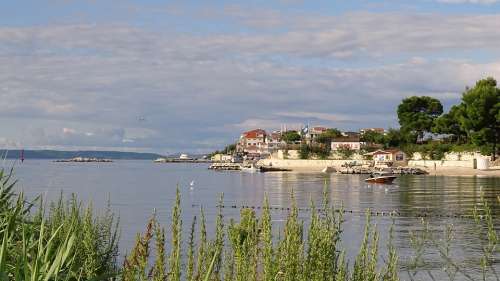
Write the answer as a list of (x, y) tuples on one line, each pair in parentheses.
[(185, 157), (251, 169)]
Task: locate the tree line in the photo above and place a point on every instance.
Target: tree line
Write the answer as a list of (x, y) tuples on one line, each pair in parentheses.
[(475, 121)]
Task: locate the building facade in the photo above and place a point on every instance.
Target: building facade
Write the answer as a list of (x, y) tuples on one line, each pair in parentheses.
[(352, 143)]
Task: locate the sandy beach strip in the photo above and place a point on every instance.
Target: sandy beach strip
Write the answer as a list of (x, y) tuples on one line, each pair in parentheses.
[(461, 171)]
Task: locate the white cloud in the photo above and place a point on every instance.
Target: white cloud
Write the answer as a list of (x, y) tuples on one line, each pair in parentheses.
[(469, 1), (97, 80)]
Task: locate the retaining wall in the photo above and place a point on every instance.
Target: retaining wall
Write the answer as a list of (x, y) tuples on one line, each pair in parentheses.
[(312, 165), (442, 163)]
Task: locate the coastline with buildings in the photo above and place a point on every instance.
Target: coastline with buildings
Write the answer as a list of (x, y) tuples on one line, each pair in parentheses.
[(263, 149), (465, 138)]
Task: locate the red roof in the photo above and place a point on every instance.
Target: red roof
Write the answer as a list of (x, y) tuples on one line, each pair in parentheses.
[(253, 134), (318, 129)]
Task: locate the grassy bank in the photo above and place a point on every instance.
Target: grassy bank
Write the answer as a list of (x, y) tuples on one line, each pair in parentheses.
[(66, 241)]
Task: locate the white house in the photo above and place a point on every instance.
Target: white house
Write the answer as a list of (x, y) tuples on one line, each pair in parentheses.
[(352, 143), (388, 155)]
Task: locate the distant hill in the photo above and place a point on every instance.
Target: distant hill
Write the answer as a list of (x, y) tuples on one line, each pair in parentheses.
[(55, 154)]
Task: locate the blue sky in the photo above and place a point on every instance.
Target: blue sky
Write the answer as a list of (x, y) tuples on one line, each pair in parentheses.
[(188, 76)]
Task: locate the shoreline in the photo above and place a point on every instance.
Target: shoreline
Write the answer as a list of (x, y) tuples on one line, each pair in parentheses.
[(316, 166), (462, 171)]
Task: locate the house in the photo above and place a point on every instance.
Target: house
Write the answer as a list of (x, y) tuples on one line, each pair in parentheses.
[(219, 157), (313, 133), (352, 143), (274, 141), (253, 142), (388, 155)]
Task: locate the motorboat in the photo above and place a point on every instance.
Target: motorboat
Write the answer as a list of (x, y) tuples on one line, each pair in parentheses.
[(381, 178)]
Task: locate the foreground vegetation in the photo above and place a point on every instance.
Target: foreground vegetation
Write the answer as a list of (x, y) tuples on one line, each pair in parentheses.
[(67, 242)]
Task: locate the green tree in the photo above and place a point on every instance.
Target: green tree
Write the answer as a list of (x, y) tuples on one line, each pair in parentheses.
[(373, 137), (304, 151), (345, 151), (290, 136), (449, 123), (480, 116), (327, 136), (416, 116), (393, 138), (229, 149)]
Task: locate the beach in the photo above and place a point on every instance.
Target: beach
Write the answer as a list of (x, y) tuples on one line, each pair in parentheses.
[(462, 171)]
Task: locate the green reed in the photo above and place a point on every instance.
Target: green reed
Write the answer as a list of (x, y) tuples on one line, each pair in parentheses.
[(63, 242), (247, 249)]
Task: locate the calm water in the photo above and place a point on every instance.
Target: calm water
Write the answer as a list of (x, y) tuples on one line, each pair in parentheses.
[(135, 188)]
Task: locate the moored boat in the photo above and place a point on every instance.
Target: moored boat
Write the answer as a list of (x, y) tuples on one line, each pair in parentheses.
[(249, 169), (381, 179)]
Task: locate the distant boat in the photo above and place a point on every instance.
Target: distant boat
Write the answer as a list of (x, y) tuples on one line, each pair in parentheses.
[(250, 169), (185, 157), (381, 179)]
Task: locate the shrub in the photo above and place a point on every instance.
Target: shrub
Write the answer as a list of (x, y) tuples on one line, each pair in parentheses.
[(345, 151), (304, 151)]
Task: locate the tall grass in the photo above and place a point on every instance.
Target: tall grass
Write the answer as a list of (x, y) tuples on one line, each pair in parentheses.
[(251, 251), (63, 242)]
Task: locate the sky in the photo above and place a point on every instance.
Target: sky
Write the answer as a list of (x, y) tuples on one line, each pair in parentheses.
[(190, 76)]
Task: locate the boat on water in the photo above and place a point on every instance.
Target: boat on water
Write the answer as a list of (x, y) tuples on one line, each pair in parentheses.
[(249, 169), (185, 157), (382, 178)]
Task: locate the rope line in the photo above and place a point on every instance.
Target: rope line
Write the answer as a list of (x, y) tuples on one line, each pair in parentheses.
[(393, 213)]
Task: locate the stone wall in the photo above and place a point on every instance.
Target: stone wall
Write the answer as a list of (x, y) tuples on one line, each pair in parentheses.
[(451, 156), (451, 159), (442, 163), (310, 165)]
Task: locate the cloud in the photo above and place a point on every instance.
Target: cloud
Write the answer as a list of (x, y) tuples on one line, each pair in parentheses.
[(469, 1), (196, 91)]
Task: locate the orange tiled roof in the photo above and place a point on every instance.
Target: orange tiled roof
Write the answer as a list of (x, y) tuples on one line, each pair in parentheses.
[(253, 134)]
